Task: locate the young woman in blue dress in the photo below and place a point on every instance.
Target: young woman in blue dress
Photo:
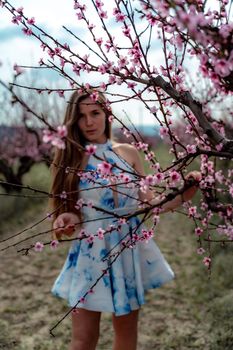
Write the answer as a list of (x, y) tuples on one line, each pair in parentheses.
[(87, 121)]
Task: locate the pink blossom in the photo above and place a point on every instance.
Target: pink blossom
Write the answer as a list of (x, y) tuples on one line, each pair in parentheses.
[(200, 251), (192, 211), (54, 244), (158, 177), (20, 10), (16, 19), (131, 85), (79, 204), (62, 131), (207, 261), (94, 96), (150, 155), (90, 239), (112, 79), (43, 46), (103, 14), (156, 219), (49, 216), (99, 4), (198, 231), (122, 221), (111, 118), (126, 31), (79, 15), (60, 93), (51, 53), (222, 67), (76, 68), (191, 148), (27, 31), (77, 6), (38, 247), (231, 190), (99, 41), (123, 61), (219, 147), (226, 30), (229, 211), (57, 51), (142, 146), (90, 204), (100, 233), (104, 168), (120, 17), (63, 195), (90, 149), (219, 176), (126, 132), (102, 69), (57, 142), (62, 62), (149, 180), (18, 69), (103, 86), (163, 131), (82, 233), (175, 176), (147, 234), (47, 135), (154, 109), (31, 21)]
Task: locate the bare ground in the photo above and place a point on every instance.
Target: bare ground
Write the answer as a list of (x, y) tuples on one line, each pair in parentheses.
[(172, 318)]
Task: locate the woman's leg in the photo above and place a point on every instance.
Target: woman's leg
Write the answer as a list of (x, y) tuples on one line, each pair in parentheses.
[(85, 329), (126, 329)]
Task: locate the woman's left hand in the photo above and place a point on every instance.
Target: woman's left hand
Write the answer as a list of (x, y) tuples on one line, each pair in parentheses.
[(190, 192), (196, 175)]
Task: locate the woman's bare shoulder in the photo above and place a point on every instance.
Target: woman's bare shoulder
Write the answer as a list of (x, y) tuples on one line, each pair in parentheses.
[(123, 146), (125, 151)]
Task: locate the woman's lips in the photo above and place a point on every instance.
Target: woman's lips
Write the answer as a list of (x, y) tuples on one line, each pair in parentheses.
[(90, 131)]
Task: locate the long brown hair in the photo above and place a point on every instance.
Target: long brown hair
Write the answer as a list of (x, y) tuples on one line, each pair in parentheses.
[(72, 156)]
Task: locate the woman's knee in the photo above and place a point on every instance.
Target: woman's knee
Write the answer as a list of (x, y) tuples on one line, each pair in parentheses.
[(126, 323), (85, 329)]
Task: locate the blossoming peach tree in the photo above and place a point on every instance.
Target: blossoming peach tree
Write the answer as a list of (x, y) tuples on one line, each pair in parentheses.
[(175, 58)]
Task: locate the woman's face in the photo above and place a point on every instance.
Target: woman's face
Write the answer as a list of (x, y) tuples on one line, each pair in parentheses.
[(91, 121)]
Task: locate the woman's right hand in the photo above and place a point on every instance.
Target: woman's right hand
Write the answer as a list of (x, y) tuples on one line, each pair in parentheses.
[(65, 224)]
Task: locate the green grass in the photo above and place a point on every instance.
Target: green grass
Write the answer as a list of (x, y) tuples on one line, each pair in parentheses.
[(18, 209)]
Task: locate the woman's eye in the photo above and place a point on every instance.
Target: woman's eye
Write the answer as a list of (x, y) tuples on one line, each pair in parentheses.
[(96, 113)]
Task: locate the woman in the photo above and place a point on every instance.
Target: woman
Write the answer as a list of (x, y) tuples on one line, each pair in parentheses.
[(108, 267)]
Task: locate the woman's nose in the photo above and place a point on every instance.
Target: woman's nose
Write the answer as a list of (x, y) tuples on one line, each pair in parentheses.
[(89, 121)]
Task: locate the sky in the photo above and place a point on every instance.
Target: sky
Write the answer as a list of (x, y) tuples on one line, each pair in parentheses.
[(51, 15)]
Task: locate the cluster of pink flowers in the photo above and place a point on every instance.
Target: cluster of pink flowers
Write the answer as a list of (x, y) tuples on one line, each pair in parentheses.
[(56, 138), (104, 168), (79, 204), (100, 233), (90, 149), (39, 246), (147, 234), (216, 55)]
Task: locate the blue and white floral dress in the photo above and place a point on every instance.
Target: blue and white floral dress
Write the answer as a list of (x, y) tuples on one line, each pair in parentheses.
[(127, 270)]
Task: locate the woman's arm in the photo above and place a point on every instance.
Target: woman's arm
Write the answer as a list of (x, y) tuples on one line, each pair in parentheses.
[(149, 195)]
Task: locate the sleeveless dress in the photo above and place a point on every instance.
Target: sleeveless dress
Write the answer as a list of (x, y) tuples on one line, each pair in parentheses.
[(95, 276)]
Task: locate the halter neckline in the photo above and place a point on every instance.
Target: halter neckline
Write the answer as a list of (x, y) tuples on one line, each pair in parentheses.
[(104, 145)]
